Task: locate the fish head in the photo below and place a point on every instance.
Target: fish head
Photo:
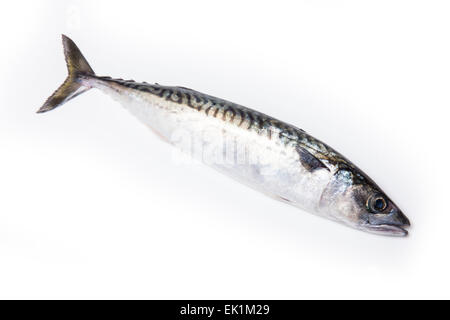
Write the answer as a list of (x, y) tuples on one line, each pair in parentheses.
[(354, 199)]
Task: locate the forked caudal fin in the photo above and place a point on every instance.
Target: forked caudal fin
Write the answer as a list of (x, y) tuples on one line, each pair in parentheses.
[(71, 87)]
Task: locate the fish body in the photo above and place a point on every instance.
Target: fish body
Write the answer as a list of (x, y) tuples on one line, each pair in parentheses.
[(267, 154), (247, 145)]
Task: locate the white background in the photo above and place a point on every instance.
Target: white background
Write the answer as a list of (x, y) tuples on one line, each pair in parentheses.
[(92, 204)]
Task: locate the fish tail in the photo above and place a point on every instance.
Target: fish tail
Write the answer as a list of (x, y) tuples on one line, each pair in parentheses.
[(77, 67)]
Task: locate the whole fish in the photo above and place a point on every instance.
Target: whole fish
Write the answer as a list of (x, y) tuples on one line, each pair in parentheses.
[(267, 154)]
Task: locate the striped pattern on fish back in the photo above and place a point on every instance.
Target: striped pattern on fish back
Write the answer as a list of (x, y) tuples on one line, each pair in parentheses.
[(241, 116)]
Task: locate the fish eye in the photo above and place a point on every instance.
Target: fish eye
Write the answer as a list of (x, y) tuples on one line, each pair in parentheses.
[(377, 204)]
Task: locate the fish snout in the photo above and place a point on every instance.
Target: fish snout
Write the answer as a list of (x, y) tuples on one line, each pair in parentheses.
[(393, 223)]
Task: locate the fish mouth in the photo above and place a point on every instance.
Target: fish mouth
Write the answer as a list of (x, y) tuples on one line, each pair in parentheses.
[(392, 224), (388, 230)]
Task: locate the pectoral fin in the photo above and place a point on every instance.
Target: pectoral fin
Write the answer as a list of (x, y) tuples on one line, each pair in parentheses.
[(310, 162)]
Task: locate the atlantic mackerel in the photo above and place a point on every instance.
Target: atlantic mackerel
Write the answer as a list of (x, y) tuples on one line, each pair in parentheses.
[(267, 154)]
